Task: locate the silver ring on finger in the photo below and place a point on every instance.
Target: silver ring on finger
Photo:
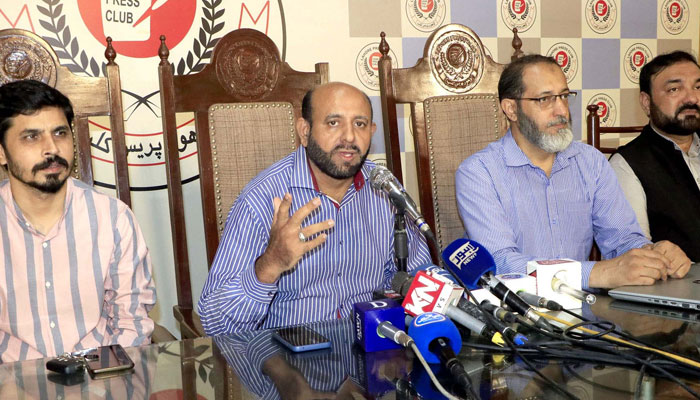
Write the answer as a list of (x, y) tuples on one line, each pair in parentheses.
[(302, 237)]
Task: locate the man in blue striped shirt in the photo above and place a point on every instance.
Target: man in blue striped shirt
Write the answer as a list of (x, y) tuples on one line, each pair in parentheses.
[(308, 238), (536, 194)]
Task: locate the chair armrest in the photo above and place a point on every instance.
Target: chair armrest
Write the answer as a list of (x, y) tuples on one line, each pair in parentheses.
[(161, 335), (190, 324)]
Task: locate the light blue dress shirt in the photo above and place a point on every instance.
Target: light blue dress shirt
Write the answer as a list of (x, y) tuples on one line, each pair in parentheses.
[(519, 214)]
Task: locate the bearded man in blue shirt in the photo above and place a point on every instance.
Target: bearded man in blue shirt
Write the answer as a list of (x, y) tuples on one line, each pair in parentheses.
[(536, 194), (308, 237)]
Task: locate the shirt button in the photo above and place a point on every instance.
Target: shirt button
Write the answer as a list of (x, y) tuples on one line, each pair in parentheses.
[(48, 284), (27, 224), (339, 274), (45, 244), (52, 324)]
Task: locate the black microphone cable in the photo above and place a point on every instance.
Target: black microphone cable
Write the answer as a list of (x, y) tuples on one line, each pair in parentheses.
[(554, 306), (512, 345), (662, 371), (587, 340)]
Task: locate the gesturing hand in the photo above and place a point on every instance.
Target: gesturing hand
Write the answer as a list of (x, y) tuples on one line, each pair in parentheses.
[(288, 240)]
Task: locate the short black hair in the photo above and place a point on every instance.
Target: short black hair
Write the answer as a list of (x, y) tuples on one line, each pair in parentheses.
[(510, 85), (307, 107), (658, 64), (25, 97)]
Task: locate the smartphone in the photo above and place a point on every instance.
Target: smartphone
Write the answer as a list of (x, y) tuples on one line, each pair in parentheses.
[(301, 338), (107, 360)]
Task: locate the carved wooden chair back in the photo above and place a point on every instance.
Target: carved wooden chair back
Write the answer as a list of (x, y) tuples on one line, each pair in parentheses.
[(454, 112), (594, 129), (25, 55), (244, 103)]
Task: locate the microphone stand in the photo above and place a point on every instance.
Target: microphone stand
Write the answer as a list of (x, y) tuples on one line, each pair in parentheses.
[(400, 242)]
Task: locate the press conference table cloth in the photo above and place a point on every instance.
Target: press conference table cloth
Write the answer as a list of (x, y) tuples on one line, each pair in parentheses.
[(229, 367)]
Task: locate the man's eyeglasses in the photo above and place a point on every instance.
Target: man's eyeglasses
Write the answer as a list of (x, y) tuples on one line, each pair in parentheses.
[(548, 101)]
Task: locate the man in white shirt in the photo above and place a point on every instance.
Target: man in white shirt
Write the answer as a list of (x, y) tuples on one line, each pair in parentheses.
[(659, 171)]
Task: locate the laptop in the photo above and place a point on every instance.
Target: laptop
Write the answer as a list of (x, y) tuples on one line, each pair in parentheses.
[(682, 293)]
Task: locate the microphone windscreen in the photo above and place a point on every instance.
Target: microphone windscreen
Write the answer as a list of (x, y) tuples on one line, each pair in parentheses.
[(368, 315), (469, 260), (379, 176), (429, 326), (401, 282), (402, 279)]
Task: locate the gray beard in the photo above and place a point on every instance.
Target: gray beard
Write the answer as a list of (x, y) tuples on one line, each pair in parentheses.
[(551, 143)]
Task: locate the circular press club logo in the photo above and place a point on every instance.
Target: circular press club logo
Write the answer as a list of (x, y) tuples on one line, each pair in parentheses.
[(601, 15), (636, 56), (518, 14), (567, 59), (607, 110), (674, 16), (367, 65), (426, 15), (136, 25)]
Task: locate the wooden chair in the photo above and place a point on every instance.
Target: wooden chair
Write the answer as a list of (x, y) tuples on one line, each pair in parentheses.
[(27, 56), (453, 96), (593, 132), (244, 103)]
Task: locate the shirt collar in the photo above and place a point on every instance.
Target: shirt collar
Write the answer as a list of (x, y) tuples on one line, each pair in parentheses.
[(515, 157), (694, 150), (303, 175), (11, 205)]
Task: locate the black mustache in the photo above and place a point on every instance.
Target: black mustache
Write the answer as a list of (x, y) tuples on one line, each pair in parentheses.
[(687, 107), (47, 163), (353, 147)]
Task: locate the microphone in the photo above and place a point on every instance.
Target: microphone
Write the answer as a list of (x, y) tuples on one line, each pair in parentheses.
[(418, 301), (539, 301), (425, 293), (382, 179), (438, 340), (374, 321), (498, 312), (475, 266), (558, 285), (474, 310)]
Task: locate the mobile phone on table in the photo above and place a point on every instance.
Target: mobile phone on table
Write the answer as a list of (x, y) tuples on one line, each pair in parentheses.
[(301, 338), (108, 361)]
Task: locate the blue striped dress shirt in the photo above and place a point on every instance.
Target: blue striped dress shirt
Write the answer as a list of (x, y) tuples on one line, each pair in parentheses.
[(519, 214), (357, 257)]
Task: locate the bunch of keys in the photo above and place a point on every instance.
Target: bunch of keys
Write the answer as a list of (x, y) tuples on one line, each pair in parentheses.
[(71, 363)]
